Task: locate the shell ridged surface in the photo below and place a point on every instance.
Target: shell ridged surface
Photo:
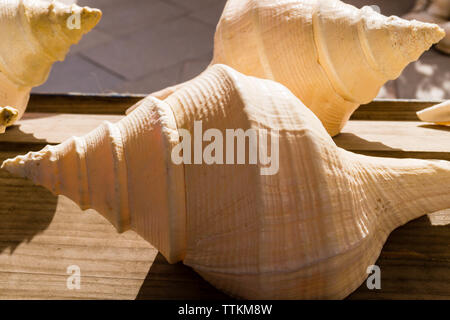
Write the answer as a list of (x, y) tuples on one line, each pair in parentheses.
[(34, 34), (331, 55), (308, 231)]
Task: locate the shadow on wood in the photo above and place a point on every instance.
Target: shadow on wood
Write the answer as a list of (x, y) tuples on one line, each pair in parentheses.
[(17, 142), (354, 143), (436, 127), (414, 264), (166, 281), (26, 209)]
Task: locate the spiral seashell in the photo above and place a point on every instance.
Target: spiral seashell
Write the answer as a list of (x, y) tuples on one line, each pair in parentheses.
[(34, 34), (304, 225), (331, 55)]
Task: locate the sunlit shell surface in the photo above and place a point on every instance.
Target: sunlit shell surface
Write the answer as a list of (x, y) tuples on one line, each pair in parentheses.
[(331, 55), (307, 228), (34, 34)]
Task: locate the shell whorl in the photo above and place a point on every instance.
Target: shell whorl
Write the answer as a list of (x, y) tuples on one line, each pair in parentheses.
[(308, 231), (35, 34), (331, 55), (101, 171)]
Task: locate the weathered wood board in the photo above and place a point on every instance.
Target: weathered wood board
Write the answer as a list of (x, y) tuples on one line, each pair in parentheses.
[(42, 235)]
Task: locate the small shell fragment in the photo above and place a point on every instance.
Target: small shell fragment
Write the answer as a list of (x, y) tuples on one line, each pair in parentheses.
[(439, 114)]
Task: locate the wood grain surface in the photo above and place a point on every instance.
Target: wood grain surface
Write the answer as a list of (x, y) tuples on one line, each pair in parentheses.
[(41, 235)]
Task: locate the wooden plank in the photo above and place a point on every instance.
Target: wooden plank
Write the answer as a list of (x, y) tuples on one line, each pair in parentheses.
[(41, 234), (392, 110), (414, 263), (377, 138), (82, 103), (379, 109), (53, 128), (405, 139)]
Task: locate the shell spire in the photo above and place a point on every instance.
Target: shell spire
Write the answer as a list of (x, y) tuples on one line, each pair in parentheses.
[(361, 49), (58, 26), (101, 171), (35, 34), (308, 230), (332, 56)]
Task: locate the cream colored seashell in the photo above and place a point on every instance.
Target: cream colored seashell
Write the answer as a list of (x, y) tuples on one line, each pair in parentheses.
[(331, 55), (308, 231), (34, 34), (439, 114)]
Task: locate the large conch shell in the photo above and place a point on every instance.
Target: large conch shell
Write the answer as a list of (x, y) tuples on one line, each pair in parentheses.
[(439, 114), (331, 55), (33, 35), (307, 227)]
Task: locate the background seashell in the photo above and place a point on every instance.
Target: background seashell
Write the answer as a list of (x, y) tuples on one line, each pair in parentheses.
[(34, 34), (331, 55), (308, 231), (439, 113)]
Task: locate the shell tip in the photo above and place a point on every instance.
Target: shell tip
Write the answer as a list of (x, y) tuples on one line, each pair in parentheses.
[(8, 116), (14, 166), (89, 18)]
